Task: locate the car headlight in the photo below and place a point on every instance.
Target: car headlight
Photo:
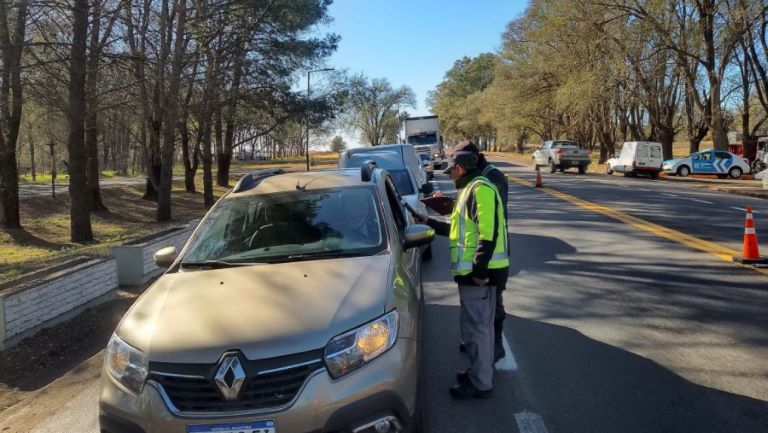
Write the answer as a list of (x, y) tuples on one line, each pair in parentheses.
[(126, 364), (353, 349)]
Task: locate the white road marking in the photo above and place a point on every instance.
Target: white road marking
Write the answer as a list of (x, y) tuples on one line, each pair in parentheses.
[(700, 201), (528, 422), (508, 362), (741, 209), (669, 195), (643, 189)]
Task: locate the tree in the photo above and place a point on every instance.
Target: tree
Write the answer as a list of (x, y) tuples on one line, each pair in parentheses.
[(338, 144), (12, 38), (80, 215), (374, 106)]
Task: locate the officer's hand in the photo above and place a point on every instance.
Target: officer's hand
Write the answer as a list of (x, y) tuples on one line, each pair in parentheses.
[(481, 282), (437, 194)]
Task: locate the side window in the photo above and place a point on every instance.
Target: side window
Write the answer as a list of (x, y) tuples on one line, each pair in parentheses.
[(696, 156), (393, 197), (655, 152), (546, 146), (706, 156), (722, 155)]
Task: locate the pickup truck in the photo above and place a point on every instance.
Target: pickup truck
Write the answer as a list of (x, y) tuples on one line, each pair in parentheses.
[(561, 154)]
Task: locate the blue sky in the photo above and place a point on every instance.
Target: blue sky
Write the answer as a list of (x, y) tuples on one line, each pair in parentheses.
[(415, 42)]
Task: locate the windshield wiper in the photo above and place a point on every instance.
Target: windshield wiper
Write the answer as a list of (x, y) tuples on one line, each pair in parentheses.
[(328, 255), (214, 264)]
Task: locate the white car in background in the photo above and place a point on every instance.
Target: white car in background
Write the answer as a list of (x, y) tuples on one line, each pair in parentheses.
[(426, 162), (637, 157), (717, 162)]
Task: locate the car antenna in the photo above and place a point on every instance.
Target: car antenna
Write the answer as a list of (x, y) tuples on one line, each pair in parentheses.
[(304, 187), (298, 184)]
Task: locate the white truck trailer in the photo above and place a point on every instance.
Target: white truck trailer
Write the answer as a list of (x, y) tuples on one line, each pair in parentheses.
[(421, 132)]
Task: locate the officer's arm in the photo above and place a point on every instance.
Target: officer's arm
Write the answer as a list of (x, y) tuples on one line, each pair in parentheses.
[(483, 211), (441, 228)]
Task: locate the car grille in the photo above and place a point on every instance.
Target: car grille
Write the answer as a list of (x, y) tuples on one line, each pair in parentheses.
[(260, 392)]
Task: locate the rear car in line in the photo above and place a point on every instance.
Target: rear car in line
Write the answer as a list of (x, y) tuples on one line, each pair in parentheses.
[(562, 155), (295, 307)]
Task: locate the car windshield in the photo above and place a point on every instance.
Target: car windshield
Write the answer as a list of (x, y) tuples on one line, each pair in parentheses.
[(422, 139), (285, 226), (562, 144), (424, 157)]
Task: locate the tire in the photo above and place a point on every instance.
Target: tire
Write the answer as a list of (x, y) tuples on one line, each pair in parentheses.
[(654, 175), (608, 170), (735, 172), (683, 171), (552, 166), (582, 169), (535, 166)]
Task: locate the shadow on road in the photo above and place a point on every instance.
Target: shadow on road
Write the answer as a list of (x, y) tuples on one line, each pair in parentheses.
[(577, 384)]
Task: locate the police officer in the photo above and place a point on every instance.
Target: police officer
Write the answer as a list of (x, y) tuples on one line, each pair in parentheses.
[(478, 244), (499, 180)]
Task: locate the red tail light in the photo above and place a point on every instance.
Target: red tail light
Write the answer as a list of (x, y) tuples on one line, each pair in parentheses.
[(559, 152)]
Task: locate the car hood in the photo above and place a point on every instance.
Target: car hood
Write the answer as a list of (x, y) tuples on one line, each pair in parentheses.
[(670, 162), (264, 311)]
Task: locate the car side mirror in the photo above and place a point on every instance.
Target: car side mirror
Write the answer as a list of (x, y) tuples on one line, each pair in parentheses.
[(165, 257), (417, 235), (427, 188)]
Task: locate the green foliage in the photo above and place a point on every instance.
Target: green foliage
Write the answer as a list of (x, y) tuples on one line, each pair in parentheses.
[(374, 108), (338, 144)]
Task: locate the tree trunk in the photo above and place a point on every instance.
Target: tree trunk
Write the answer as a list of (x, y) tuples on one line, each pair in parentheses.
[(171, 116), (32, 154), (78, 186), (10, 120)]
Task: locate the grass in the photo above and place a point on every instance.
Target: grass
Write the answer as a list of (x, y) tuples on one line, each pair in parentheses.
[(45, 235)]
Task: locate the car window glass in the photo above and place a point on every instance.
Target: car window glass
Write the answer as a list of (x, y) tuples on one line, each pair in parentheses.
[(403, 181), (272, 226), (394, 199), (722, 155), (705, 156), (642, 151), (656, 152)]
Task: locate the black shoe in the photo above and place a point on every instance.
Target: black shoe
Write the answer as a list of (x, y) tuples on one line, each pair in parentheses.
[(462, 348), (498, 353), (467, 391), (463, 378)]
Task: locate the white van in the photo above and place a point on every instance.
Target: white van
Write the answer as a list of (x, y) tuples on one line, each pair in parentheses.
[(637, 157)]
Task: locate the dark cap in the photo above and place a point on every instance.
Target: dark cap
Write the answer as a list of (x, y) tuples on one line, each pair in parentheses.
[(465, 154)]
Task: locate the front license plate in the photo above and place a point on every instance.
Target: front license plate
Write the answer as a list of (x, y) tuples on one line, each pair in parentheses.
[(267, 426)]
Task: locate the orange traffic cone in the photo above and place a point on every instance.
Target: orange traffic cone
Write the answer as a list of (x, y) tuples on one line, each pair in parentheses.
[(750, 253), (539, 183)]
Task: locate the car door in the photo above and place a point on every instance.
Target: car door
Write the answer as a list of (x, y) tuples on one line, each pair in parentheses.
[(703, 162), (542, 154), (643, 155), (657, 156), (723, 162)]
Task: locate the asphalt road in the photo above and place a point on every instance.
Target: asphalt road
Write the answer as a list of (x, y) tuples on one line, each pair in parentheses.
[(609, 330)]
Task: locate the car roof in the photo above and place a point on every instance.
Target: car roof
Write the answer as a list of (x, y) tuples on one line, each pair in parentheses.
[(313, 180), (385, 159)]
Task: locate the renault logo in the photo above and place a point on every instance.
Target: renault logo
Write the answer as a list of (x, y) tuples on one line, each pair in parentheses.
[(230, 377)]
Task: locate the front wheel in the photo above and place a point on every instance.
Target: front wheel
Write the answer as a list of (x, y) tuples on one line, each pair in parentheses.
[(608, 170), (654, 175), (552, 166), (535, 165), (582, 169), (683, 171), (735, 173)]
